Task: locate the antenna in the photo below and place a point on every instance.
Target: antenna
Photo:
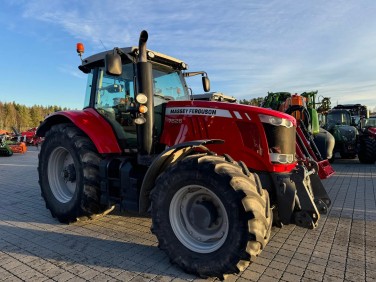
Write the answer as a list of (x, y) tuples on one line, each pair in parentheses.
[(103, 45)]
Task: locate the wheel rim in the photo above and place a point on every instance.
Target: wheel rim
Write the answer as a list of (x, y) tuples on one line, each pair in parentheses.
[(61, 174), (198, 219)]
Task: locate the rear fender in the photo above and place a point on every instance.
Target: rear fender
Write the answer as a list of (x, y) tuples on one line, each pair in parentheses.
[(91, 123), (165, 159)]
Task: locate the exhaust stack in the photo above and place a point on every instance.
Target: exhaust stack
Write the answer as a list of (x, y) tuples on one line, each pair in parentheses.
[(142, 58), (145, 86)]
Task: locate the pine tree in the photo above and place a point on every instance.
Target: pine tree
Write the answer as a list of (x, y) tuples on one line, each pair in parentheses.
[(22, 117)]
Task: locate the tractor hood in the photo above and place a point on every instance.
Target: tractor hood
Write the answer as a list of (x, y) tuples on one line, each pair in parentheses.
[(345, 133), (252, 134)]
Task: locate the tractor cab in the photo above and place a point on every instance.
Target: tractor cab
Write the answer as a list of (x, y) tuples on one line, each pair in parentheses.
[(114, 96), (114, 82), (341, 125)]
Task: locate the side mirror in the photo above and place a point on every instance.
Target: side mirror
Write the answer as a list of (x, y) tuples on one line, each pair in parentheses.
[(113, 63), (206, 83)]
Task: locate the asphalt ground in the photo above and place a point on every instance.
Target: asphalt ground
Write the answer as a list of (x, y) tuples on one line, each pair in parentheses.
[(120, 247)]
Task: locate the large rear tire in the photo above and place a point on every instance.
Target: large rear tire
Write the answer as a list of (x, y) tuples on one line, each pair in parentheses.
[(69, 174), (367, 151), (209, 217)]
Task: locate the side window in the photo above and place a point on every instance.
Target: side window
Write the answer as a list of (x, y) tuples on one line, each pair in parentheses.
[(88, 89), (115, 101)]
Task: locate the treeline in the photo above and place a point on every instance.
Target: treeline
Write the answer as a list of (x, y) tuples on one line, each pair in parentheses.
[(22, 117), (253, 102)]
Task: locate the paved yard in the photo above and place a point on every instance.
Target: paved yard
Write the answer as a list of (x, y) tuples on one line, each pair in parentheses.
[(120, 247)]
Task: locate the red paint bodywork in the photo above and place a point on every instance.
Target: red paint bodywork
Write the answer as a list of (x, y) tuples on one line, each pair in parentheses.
[(90, 122), (239, 125), (31, 136), (372, 131)]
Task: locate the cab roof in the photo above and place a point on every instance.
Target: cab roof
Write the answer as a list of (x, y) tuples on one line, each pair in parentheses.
[(130, 54)]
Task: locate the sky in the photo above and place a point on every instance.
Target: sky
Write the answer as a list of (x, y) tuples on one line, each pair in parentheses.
[(247, 47)]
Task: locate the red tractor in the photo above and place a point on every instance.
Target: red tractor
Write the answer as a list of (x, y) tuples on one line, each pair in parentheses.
[(30, 137), (141, 143)]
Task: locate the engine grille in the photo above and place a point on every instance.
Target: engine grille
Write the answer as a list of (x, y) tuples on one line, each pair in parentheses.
[(280, 139), (348, 134)]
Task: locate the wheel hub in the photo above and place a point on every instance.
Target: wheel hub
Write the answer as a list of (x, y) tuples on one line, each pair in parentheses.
[(203, 214), (69, 173)]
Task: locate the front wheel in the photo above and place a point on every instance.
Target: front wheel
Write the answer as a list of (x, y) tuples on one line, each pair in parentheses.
[(367, 151), (69, 174), (209, 217)]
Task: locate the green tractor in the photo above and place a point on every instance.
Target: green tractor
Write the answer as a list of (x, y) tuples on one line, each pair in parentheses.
[(338, 123), (5, 150), (352, 137)]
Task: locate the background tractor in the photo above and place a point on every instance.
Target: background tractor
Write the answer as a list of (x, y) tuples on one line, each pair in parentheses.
[(348, 124), (5, 150), (29, 136), (10, 143), (212, 175)]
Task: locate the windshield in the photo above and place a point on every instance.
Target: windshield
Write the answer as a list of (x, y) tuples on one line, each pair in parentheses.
[(168, 85), (339, 118)]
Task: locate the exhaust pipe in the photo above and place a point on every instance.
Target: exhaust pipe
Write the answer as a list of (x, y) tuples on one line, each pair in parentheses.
[(142, 58), (145, 86)]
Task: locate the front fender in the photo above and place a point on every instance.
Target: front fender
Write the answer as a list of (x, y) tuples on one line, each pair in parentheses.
[(91, 123), (165, 159)]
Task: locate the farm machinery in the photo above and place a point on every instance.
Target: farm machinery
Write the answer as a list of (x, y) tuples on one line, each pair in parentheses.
[(10, 143), (213, 176), (353, 136), (5, 150), (28, 136), (215, 96), (314, 145)]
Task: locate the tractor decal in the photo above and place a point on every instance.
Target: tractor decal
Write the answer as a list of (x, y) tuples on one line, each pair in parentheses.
[(198, 112)]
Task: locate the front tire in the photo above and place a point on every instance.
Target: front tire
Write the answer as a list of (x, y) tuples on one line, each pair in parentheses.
[(209, 217), (367, 151), (69, 174)]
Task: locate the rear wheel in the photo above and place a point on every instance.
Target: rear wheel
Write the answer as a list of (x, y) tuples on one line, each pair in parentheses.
[(69, 174), (367, 151), (209, 217)]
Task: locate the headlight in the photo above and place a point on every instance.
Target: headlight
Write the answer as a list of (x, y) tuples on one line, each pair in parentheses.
[(141, 98), (281, 158), (276, 121)]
